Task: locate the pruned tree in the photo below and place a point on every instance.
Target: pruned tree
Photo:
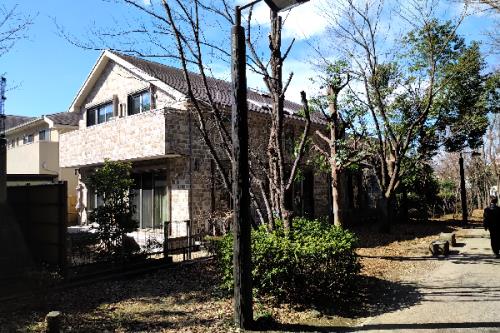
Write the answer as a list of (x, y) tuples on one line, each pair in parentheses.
[(345, 133), (280, 177)]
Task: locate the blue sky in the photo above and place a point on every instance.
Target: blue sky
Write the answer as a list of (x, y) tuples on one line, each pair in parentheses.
[(45, 71)]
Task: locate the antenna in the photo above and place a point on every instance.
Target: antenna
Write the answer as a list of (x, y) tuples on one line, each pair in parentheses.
[(3, 83)]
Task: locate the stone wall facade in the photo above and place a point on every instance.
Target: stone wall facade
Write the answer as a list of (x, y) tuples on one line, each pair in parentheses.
[(171, 135), (133, 137)]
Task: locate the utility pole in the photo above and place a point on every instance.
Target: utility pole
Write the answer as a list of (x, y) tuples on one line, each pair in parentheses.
[(463, 193), (3, 146)]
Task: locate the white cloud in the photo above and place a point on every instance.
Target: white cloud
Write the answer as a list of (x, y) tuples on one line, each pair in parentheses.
[(300, 22), (147, 2)]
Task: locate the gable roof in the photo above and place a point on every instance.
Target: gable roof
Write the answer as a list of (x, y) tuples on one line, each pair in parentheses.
[(64, 118), (220, 90), (14, 121), (172, 80)]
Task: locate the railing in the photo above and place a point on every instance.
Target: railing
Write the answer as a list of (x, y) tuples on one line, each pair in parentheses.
[(83, 246)]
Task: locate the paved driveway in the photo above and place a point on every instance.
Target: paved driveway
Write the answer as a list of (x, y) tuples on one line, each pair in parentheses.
[(462, 295)]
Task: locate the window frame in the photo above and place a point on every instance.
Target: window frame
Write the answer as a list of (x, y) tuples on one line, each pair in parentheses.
[(28, 138), (141, 95), (46, 135), (95, 110)]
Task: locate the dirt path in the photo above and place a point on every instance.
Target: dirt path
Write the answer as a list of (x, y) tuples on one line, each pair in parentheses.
[(461, 295)]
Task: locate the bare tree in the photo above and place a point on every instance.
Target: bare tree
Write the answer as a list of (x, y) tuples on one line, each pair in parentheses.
[(493, 149), (279, 178), (13, 27)]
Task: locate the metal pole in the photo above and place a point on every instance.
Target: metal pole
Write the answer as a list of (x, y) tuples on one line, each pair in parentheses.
[(3, 146), (463, 193), (243, 312)]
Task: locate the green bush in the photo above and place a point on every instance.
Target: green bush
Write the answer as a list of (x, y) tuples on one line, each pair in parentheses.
[(316, 261), (113, 183)]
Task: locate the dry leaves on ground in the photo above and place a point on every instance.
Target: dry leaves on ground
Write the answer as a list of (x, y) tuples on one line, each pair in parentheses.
[(185, 298)]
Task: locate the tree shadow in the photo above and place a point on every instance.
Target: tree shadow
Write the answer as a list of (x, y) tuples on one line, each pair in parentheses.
[(468, 259), (135, 303), (372, 297), (370, 235)]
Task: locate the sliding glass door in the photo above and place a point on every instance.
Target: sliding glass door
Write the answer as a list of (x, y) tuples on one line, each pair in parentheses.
[(150, 197)]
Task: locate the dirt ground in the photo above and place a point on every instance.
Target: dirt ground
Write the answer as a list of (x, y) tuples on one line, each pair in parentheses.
[(185, 298)]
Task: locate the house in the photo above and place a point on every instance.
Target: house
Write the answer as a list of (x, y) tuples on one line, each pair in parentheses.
[(33, 152), (135, 110)]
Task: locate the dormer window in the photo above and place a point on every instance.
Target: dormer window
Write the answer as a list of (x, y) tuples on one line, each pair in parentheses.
[(99, 114), (139, 102)]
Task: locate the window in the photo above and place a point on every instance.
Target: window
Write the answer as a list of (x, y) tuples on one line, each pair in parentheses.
[(94, 200), (28, 139), (99, 114), (43, 135), (139, 102)]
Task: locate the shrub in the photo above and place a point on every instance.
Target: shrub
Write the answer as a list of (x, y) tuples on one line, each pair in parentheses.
[(315, 262), (112, 182)]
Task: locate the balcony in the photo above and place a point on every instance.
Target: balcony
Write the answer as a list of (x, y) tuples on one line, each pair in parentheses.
[(136, 137)]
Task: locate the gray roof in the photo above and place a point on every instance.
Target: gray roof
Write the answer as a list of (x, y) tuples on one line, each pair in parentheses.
[(220, 89), (65, 118), (13, 121), (61, 118)]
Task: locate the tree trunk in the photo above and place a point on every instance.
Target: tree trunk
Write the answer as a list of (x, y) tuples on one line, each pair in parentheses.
[(404, 205), (336, 198), (386, 211)]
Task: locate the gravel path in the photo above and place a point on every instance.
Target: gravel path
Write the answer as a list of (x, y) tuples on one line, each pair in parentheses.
[(462, 295)]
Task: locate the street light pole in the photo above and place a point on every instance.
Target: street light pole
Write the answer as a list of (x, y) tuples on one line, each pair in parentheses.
[(242, 264), (463, 193), (242, 267)]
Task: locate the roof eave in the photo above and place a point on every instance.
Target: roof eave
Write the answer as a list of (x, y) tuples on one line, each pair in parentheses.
[(24, 125)]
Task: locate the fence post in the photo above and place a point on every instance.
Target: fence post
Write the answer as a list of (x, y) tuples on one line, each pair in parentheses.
[(188, 223), (165, 239)]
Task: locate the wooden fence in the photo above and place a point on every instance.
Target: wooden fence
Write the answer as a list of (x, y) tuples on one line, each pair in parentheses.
[(42, 212)]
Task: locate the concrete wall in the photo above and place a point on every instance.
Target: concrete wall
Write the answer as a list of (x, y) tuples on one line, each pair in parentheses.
[(31, 158)]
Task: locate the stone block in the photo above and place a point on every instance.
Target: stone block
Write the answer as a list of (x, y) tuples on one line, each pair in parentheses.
[(53, 320), (448, 236), (438, 247)]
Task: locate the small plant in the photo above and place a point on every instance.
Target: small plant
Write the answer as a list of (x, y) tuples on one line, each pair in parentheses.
[(112, 182)]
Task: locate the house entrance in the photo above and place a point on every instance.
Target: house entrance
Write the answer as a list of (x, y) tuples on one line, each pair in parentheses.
[(150, 198)]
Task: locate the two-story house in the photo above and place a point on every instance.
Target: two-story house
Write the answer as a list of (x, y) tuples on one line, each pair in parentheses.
[(33, 152), (135, 110)]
